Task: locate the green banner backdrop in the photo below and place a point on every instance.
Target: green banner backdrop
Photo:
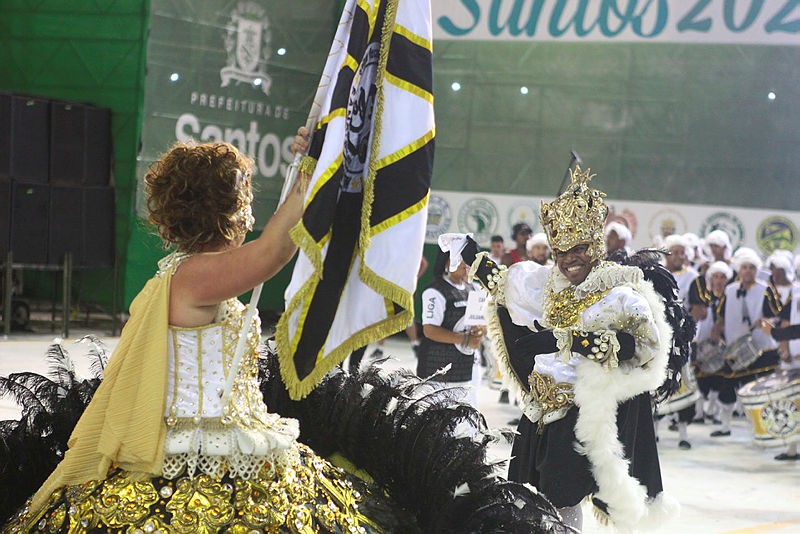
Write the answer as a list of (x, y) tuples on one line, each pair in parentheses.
[(239, 71)]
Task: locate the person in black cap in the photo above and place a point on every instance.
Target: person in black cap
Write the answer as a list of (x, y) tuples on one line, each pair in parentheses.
[(520, 233)]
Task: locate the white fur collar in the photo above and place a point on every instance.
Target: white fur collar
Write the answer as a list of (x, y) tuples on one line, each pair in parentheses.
[(598, 393)]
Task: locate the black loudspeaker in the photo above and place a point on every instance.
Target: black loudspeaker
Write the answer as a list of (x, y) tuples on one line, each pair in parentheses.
[(66, 225), (67, 143), (30, 139), (99, 149), (80, 144), (98, 226), (30, 207), (5, 135), (5, 217)]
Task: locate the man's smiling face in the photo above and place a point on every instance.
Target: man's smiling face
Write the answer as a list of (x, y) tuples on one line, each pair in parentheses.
[(575, 263)]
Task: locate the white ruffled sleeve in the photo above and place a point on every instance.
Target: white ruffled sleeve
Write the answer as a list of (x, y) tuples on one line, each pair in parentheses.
[(522, 292), (628, 310)]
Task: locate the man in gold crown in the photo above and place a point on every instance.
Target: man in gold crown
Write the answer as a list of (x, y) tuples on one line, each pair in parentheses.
[(586, 342)]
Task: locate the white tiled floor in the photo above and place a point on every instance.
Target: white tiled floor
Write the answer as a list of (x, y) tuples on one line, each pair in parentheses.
[(725, 485)]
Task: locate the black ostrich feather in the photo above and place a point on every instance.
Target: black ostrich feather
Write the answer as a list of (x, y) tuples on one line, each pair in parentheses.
[(681, 322), (98, 354), (31, 447), (423, 448)]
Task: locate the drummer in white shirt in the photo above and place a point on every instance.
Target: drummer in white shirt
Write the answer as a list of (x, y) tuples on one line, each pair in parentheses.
[(789, 333), (745, 302)]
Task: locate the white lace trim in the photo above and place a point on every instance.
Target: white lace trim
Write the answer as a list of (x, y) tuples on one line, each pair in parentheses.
[(563, 343), (214, 449), (171, 260), (243, 466), (606, 275)]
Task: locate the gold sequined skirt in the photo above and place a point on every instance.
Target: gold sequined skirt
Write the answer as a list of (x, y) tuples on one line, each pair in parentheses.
[(309, 496)]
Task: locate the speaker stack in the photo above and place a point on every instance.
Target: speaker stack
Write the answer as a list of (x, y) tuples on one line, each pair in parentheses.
[(55, 182), (5, 174)]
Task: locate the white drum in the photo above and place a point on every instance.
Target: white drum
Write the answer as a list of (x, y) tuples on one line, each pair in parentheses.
[(741, 353), (772, 403), (710, 356)]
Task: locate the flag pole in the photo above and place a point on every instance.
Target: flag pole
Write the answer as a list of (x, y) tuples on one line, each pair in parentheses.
[(328, 76), (291, 173), (574, 158)]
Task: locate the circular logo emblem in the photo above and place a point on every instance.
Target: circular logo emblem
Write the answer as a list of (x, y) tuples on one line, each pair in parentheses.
[(780, 417), (439, 218), (478, 216), (728, 222), (524, 213), (666, 222), (358, 121), (776, 233)]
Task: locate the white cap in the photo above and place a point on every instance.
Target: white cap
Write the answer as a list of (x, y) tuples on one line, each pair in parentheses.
[(622, 231), (537, 239), (721, 239), (454, 244), (696, 244), (782, 259), (718, 267), (746, 255), (693, 239), (677, 240)]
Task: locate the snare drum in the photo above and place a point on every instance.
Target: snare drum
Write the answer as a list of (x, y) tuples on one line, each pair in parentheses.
[(710, 357), (742, 353), (686, 395), (772, 403)]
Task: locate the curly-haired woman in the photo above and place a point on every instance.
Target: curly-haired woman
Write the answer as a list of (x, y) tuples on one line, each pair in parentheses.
[(159, 448)]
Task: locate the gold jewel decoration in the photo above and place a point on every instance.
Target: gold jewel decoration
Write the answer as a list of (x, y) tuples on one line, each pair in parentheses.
[(550, 395), (487, 272), (577, 216), (307, 166), (566, 308), (313, 496), (605, 349)]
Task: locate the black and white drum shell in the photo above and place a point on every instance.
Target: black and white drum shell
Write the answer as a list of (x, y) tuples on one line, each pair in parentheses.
[(710, 356), (742, 353), (772, 404)]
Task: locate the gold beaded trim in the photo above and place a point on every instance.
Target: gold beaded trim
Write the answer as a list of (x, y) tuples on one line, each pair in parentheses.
[(307, 165), (312, 497), (549, 394)]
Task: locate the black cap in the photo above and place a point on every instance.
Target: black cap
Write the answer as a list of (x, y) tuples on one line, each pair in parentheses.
[(520, 228)]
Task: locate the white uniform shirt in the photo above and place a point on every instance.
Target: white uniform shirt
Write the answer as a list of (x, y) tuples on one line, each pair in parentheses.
[(684, 279), (741, 312)]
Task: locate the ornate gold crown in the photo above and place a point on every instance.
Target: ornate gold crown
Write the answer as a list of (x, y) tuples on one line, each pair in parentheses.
[(577, 216)]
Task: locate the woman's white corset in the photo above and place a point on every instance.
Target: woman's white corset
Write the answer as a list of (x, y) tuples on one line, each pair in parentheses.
[(197, 372), (202, 434)]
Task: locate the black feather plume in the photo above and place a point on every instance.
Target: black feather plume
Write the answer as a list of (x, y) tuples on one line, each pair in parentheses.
[(31, 447), (681, 322), (420, 445)]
